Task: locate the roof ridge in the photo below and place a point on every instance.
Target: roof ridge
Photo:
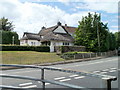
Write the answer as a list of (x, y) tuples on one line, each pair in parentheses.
[(30, 33)]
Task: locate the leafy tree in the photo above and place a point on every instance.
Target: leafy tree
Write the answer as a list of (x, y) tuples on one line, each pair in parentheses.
[(6, 32), (7, 37), (91, 31), (117, 37), (6, 25)]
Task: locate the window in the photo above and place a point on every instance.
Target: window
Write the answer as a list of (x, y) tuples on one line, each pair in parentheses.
[(65, 43), (26, 41), (32, 43)]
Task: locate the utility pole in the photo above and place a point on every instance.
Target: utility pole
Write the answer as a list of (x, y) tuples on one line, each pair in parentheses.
[(98, 36)]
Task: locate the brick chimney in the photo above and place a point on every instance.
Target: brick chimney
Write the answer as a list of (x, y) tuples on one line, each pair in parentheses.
[(65, 25), (59, 23)]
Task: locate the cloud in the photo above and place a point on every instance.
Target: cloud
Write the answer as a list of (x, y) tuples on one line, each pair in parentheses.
[(31, 17), (114, 30), (115, 26), (109, 6)]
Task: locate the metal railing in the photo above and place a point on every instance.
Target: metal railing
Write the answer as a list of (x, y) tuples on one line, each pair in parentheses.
[(106, 79)]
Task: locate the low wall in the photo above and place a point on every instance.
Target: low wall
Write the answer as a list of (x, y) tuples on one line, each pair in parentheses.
[(88, 55), (63, 49)]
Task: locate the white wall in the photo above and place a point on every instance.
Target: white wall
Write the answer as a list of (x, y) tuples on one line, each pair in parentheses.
[(57, 43), (30, 42), (59, 30)]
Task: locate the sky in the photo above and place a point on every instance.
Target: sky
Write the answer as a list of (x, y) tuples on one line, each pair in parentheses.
[(31, 15)]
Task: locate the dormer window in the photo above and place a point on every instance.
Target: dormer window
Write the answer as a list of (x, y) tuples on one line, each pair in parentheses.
[(42, 36)]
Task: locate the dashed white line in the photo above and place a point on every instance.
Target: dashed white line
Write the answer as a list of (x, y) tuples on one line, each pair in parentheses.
[(23, 84), (79, 77), (32, 86), (113, 68), (112, 71), (73, 75), (105, 70), (39, 81), (59, 78), (96, 71), (47, 83), (65, 80)]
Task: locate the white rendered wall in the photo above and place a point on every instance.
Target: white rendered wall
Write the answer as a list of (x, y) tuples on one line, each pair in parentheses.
[(57, 43), (29, 42)]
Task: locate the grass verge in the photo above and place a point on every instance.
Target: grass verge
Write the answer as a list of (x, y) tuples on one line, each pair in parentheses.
[(28, 57)]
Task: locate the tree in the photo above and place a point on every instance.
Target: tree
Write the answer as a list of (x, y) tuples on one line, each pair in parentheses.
[(117, 37), (6, 25), (7, 33), (93, 33)]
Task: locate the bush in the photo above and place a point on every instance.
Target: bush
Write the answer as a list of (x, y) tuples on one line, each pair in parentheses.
[(6, 37), (26, 48)]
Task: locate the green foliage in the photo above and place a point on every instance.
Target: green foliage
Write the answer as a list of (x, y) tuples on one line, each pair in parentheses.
[(26, 48), (117, 37), (6, 25), (91, 31), (6, 34), (7, 37)]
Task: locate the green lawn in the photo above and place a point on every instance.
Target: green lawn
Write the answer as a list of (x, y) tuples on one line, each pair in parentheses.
[(28, 57)]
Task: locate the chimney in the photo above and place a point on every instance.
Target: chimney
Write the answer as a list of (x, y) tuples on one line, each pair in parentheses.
[(65, 25), (59, 23), (43, 27)]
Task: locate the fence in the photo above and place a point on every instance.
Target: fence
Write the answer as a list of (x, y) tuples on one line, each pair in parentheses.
[(89, 55), (106, 80)]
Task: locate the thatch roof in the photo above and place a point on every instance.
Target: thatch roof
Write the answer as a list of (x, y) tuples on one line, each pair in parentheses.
[(57, 37), (30, 36), (69, 29)]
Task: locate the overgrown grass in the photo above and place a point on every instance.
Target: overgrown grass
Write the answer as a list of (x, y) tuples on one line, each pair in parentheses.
[(28, 57)]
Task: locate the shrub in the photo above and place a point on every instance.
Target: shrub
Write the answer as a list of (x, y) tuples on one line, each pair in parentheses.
[(26, 48), (6, 37)]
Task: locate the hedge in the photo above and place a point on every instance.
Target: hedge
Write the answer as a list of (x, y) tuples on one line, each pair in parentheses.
[(6, 37), (26, 48)]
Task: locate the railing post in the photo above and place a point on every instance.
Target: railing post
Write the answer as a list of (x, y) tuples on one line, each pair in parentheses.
[(42, 78), (106, 83), (83, 55), (90, 55), (96, 54)]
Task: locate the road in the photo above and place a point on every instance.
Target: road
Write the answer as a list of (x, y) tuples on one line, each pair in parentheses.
[(107, 66)]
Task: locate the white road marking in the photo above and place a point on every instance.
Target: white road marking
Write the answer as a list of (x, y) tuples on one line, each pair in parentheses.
[(32, 86), (23, 84), (73, 75), (113, 71), (95, 71), (113, 68), (79, 77), (39, 82), (105, 70), (47, 83), (59, 78), (65, 80)]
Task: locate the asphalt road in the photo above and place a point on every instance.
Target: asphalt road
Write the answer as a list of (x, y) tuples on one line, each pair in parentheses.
[(106, 66)]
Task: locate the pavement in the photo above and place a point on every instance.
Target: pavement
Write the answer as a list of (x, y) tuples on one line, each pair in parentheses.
[(104, 66)]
